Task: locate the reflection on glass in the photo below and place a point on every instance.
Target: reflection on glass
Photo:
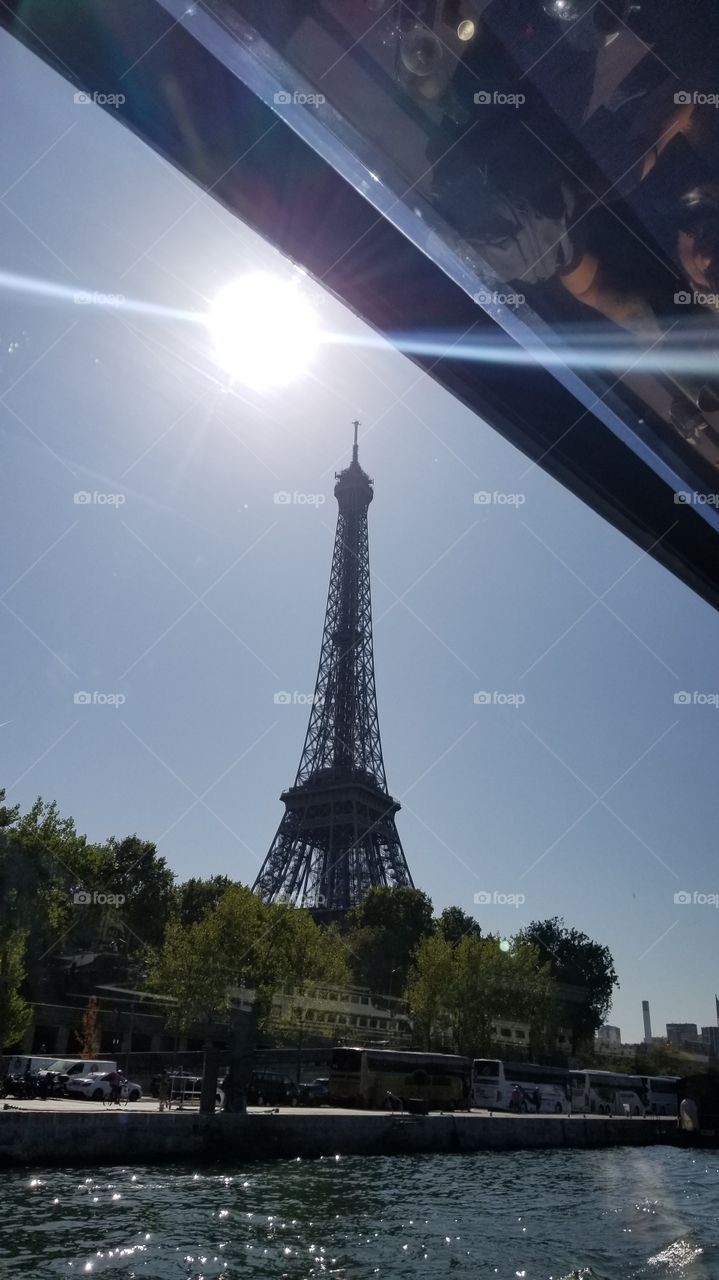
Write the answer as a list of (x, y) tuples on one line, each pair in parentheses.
[(566, 153)]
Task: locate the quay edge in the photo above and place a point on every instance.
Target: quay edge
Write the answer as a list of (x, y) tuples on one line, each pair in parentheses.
[(57, 1138)]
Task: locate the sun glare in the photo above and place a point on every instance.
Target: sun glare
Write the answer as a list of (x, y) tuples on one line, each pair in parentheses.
[(264, 331)]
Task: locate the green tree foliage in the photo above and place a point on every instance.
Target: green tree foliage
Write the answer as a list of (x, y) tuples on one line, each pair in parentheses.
[(383, 934), (430, 991), (49, 878), (584, 972), (458, 993), (15, 1012), (242, 942), (455, 924), (133, 868), (195, 897)]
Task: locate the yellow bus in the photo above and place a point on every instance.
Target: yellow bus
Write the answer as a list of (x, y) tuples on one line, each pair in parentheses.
[(384, 1078)]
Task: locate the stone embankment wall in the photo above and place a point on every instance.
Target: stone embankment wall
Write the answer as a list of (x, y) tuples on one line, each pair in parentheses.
[(45, 1137)]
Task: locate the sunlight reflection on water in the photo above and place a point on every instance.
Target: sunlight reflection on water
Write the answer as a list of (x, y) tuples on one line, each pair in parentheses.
[(556, 1215)]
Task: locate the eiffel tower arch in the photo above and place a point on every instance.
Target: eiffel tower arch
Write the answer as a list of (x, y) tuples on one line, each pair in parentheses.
[(338, 837)]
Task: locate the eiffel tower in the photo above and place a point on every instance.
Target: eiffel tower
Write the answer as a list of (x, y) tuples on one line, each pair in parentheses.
[(338, 837)]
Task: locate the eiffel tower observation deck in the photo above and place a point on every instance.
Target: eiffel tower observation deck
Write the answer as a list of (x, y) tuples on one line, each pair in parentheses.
[(338, 837)]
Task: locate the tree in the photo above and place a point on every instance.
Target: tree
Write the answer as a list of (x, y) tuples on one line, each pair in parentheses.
[(242, 943), (88, 1037), (195, 897), (135, 871), (200, 964), (383, 934), (458, 993), (45, 863), (15, 1012), (584, 972), (454, 924), (430, 985)]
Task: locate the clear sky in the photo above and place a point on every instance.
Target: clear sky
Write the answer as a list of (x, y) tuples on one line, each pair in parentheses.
[(199, 598)]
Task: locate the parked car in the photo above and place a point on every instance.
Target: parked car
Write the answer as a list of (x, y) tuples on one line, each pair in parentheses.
[(316, 1092), (97, 1086), (269, 1088), (62, 1070)]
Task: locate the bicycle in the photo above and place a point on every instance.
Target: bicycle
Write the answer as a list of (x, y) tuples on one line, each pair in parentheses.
[(120, 1101)]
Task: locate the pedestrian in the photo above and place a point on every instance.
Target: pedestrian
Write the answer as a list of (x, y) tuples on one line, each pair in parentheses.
[(163, 1092), (537, 1099)]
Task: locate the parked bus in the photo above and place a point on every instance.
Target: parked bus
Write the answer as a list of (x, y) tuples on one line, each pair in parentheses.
[(608, 1093), (374, 1078), (494, 1084), (662, 1095)]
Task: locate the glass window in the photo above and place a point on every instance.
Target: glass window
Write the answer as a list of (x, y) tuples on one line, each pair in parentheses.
[(560, 160)]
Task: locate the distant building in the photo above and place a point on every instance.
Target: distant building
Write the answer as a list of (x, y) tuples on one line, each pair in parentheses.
[(710, 1039), (609, 1036), (646, 1017), (684, 1035), (317, 1012)]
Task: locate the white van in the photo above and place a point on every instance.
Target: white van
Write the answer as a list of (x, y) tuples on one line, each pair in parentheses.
[(22, 1062), (63, 1069)]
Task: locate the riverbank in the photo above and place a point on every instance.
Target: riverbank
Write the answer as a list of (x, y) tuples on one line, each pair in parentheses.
[(75, 1138)]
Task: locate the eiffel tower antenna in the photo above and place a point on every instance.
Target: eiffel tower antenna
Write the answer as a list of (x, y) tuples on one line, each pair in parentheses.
[(338, 838)]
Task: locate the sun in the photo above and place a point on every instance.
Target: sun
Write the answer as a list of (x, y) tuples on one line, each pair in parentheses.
[(264, 331)]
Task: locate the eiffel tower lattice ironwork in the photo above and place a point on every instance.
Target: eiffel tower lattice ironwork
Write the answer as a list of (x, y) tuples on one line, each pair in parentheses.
[(338, 837)]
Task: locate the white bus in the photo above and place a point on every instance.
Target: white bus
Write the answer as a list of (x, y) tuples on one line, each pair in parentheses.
[(662, 1099), (608, 1093), (499, 1086)]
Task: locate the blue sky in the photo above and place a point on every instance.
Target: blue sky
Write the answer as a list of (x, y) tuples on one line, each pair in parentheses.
[(199, 598)]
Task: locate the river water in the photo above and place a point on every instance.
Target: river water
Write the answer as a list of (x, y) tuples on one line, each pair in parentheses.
[(616, 1214)]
